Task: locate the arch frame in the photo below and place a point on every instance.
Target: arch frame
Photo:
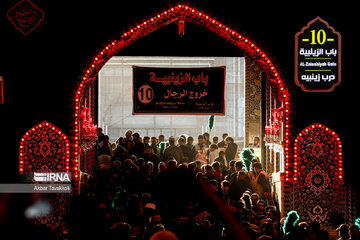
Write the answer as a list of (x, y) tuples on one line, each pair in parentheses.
[(173, 14)]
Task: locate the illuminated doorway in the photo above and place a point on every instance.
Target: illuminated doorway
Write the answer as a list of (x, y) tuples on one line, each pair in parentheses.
[(116, 100)]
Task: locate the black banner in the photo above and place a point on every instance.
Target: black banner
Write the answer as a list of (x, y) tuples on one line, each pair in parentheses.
[(318, 57), (179, 90)]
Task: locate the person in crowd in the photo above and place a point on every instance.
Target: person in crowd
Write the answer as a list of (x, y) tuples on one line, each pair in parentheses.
[(247, 200), (161, 138), (162, 235), (138, 146), (161, 167), (343, 232), (217, 171), (150, 156), (213, 183), (173, 151), (140, 162), (289, 228), (100, 135), (254, 199), (121, 151), (209, 172), (148, 175), (221, 159), (162, 145), (182, 166), (200, 149), (190, 145), (267, 231), (261, 207), (146, 141), (198, 164), (241, 213), (113, 146), (259, 181), (252, 172), (105, 152), (116, 168), (354, 232), (120, 230), (240, 181), (185, 150), (222, 144), (239, 167), (129, 139), (324, 235), (225, 187), (232, 166), (201, 156), (255, 143), (191, 166), (171, 163), (214, 153), (145, 198), (313, 230), (150, 209), (104, 146), (201, 143), (154, 145), (215, 140), (225, 173), (206, 136), (231, 149), (137, 233), (273, 215), (183, 136)]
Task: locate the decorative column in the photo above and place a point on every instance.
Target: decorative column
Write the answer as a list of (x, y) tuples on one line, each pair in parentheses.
[(252, 100)]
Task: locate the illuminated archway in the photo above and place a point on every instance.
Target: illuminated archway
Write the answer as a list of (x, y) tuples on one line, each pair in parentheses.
[(180, 12)]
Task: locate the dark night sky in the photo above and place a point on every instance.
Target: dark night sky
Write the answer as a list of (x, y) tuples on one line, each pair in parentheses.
[(41, 70)]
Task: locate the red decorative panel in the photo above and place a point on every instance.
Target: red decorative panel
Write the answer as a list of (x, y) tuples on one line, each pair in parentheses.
[(318, 174), (88, 129), (90, 161), (25, 16), (44, 148)]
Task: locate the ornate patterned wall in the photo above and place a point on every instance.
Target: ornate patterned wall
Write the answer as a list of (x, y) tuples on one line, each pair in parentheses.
[(88, 128), (45, 148), (252, 100), (318, 174)]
